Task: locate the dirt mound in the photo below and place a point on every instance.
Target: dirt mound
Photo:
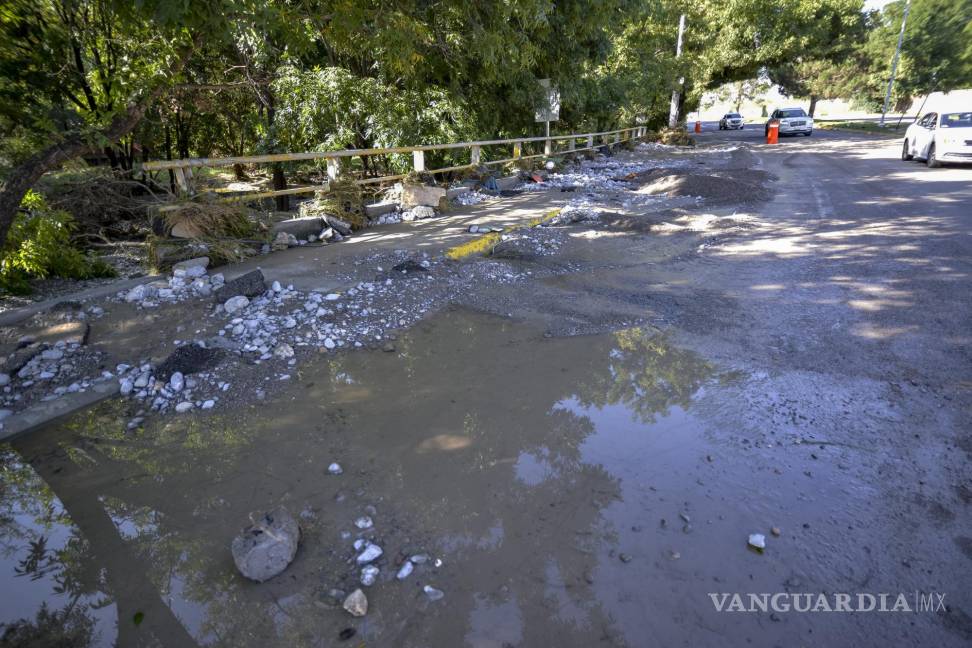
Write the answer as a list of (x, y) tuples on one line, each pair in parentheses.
[(722, 187)]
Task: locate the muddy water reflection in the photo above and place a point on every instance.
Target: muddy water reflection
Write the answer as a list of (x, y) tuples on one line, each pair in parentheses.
[(520, 461)]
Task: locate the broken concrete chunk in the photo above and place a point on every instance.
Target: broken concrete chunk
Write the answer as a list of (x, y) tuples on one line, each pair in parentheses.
[(265, 548), (356, 604), (421, 195), (250, 284), (757, 541), (141, 293), (188, 359), (341, 227)]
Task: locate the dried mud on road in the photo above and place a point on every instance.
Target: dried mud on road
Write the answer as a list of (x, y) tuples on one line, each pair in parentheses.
[(571, 441)]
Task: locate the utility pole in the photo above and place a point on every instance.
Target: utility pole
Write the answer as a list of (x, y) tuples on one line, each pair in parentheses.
[(894, 63), (673, 111)]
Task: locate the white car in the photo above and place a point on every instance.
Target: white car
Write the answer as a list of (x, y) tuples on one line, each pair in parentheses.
[(731, 121), (937, 138), (793, 121)]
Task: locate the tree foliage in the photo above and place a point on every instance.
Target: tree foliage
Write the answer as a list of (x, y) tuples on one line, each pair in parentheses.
[(119, 81)]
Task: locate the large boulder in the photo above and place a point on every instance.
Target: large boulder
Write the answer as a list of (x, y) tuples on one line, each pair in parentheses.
[(415, 195), (189, 359), (250, 284), (265, 548)]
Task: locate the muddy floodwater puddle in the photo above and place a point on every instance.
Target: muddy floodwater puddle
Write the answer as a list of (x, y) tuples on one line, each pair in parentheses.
[(560, 486)]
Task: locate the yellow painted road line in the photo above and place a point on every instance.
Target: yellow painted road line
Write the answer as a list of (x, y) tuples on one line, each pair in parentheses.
[(485, 244)]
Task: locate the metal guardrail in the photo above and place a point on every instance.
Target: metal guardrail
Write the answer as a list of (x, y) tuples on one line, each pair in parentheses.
[(182, 169)]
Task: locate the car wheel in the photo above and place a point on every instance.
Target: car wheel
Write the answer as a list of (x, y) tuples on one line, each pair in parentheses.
[(808, 134), (931, 160), (906, 156)]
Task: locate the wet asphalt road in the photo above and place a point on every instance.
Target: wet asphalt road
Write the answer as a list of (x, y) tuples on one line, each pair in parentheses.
[(800, 364)]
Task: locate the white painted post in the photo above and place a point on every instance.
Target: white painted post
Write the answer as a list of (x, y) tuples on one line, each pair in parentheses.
[(590, 141), (333, 168), (418, 161), (548, 145), (617, 138), (475, 155), (572, 144)]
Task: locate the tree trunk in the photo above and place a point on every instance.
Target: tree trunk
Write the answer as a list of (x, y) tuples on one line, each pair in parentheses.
[(280, 182), (813, 104), (240, 173), (26, 174)]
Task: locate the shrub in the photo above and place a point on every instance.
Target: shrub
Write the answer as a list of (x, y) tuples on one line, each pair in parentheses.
[(39, 246)]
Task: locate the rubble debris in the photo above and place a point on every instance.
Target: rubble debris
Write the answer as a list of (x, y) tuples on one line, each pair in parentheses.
[(189, 359), (369, 574), (250, 285), (265, 548), (757, 541), (356, 604)]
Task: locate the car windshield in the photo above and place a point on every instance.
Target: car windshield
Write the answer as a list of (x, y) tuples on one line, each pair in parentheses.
[(957, 120), (798, 112), (733, 115)]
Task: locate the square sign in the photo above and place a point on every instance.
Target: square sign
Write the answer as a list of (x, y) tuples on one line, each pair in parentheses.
[(549, 110)]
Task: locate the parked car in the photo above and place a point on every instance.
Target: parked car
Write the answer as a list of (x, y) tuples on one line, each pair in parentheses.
[(793, 121), (939, 137), (731, 121)]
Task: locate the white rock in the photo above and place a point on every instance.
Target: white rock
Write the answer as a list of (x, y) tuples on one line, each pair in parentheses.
[(177, 381), (332, 297), (140, 293), (125, 386), (276, 287), (198, 262), (4, 379), (433, 593), (52, 354), (405, 571), (356, 604), (183, 407), (369, 575), (329, 343), (364, 522), (757, 541), (419, 559), (371, 552), (234, 304), (265, 548), (283, 351), (209, 404), (335, 469)]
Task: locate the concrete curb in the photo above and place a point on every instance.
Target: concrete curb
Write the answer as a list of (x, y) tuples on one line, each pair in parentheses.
[(46, 412), (17, 315)]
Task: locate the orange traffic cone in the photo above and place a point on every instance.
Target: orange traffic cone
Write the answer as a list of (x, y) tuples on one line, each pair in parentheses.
[(773, 132)]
